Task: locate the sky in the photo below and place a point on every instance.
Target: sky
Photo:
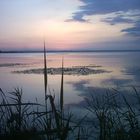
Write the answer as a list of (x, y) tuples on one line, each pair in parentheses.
[(70, 24)]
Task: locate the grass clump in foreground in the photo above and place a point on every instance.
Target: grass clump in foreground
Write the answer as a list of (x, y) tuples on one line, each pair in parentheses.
[(20, 120), (31, 121), (112, 120)]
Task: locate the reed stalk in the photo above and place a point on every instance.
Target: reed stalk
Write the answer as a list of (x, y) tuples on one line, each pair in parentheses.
[(45, 72), (61, 93)]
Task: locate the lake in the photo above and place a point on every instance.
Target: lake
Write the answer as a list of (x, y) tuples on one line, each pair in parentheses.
[(113, 70)]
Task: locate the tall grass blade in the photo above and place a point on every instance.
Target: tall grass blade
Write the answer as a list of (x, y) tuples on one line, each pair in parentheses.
[(62, 87), (45, 71)]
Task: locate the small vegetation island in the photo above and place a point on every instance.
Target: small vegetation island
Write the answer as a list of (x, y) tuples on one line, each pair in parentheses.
[(106, 118), (77, 70)]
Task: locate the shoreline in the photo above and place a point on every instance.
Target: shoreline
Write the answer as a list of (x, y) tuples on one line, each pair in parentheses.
[(69, 51)]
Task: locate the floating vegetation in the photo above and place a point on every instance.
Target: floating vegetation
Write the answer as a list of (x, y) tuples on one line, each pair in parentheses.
[(76, 70), (11, 64)]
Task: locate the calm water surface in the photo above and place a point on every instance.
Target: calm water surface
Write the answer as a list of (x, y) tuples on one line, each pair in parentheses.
[(124, 72)]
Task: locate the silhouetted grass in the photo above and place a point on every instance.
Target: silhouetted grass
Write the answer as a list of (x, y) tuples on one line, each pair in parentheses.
[(20, 120), (115, 122)]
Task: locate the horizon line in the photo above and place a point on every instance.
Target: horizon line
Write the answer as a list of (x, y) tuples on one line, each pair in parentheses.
[(49, 51)]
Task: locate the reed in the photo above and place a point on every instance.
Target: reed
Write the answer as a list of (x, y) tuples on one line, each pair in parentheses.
[(45, 72), (62, 86), (55, 119), (114, 121), (15, 116)]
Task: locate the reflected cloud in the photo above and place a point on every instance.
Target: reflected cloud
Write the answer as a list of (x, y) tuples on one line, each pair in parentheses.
[(117, 82), (87, 91), (134, 71), (133, 31)]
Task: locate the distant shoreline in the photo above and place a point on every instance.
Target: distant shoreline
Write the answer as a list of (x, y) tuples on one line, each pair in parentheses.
[(70, 51)]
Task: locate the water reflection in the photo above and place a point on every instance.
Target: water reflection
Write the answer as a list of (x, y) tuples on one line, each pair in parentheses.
[(133, 71), (87, 92), (124, 73), (117, 82)]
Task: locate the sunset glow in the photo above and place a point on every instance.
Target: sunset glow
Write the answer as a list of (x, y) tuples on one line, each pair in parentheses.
[(65, 26)]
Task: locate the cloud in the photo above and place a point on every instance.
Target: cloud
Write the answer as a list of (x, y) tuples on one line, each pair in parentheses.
[(131, 17), (94, 7), (117, 19), (77, 17), (133, 31), (125, 11)]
